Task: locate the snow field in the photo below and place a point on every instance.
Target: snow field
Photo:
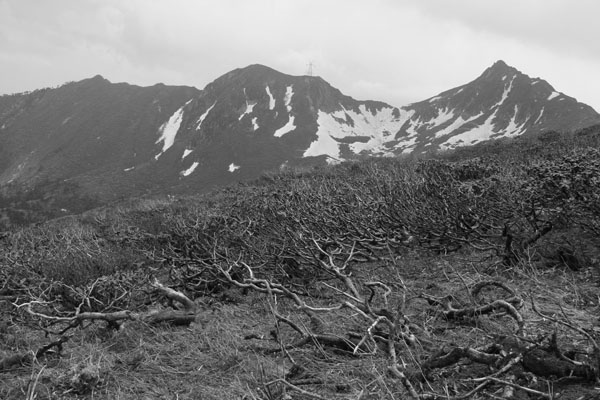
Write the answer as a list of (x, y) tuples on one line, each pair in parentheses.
[(378, 126)]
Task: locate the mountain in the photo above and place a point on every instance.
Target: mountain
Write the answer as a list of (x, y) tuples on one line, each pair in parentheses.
[(90, 142), (502, 102), (115, 140), (87, 130), (256, 118)]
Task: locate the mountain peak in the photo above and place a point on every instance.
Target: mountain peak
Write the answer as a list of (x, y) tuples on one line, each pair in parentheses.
[(500, 64), (257, 68), (499, 70), (501, 103), (95, 80), (243, 76), (98, 78), (254, 71)]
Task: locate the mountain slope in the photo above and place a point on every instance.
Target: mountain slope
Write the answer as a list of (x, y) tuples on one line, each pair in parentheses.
[(82, 130), (107, 141), (256, 118), (502, 102), (87, 143)]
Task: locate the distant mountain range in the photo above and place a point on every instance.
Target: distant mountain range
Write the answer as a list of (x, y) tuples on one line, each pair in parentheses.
[(106, 141)]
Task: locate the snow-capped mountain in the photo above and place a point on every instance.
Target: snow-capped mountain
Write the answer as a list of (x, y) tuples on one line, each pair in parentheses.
[(502, 102), (107, 141), (260, 119)]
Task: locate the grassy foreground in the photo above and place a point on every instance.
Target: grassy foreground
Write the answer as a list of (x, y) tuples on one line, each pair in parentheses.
[(385, 279)]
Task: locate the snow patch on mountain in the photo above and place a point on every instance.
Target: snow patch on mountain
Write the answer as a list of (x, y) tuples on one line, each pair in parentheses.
[(333, 161), (249, 107), (289, 92), (169, 130), (539, 117), (288, 127), (233, 167), (376, 126), (553, 95), (186, 153), (443, 116), (412, 128), (271, 98), (325, 143), (380, 126), (190, 169), (513, 129), (475, 135), (254, 123), (505, 93), (458, 122), (408, 145), (203, 117), (128, 169)]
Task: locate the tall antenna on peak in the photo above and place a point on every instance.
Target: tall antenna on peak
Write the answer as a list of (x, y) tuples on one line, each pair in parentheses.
[(309, 70)]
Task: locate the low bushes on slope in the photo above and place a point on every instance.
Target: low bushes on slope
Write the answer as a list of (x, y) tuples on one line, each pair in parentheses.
[(331, 259)]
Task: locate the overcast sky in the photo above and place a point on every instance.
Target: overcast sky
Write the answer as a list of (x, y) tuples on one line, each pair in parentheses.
[(398, 51)]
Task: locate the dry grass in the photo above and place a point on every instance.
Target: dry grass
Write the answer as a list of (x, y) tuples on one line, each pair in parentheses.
[(211, 359)]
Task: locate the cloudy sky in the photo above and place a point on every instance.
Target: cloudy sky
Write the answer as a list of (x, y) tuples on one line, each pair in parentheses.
[(398, 51)]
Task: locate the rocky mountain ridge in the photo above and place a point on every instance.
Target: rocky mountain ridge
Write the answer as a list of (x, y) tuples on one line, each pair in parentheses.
[(502, 102), (110, 141)]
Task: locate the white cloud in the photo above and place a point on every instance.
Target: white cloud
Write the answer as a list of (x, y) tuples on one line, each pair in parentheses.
[(398, 51)]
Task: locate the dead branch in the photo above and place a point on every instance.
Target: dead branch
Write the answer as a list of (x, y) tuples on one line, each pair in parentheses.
[(514, 299), (442, 360), (183, 316), (469, 312), (485, 381)]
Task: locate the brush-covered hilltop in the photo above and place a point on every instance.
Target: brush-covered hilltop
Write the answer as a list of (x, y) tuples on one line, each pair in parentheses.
[(87, 143)]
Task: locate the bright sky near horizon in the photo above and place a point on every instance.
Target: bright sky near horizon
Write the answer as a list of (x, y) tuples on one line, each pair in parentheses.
[(398, 51)]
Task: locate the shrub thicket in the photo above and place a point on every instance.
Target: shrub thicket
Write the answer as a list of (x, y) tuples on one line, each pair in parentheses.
[(335, 241)]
